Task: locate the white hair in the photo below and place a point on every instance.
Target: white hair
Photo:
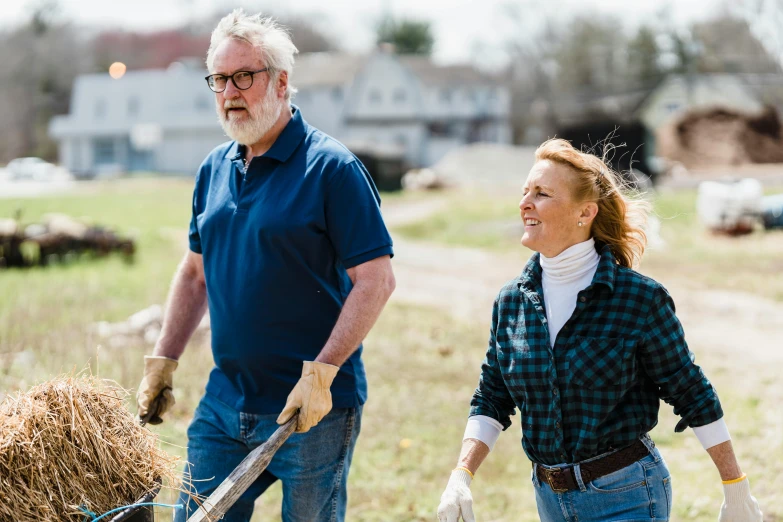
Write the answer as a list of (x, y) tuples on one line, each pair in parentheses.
[(270, 38)]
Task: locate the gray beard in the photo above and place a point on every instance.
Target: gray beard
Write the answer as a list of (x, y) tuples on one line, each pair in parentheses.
[(263, 117)]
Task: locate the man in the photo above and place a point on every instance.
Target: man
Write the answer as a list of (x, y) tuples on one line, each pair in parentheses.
[(289, 251)]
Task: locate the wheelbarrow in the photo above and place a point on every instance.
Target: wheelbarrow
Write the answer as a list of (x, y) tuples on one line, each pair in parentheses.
[(229, 491)]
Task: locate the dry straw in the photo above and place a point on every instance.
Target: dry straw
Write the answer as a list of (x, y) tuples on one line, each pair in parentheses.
[(70, 443)]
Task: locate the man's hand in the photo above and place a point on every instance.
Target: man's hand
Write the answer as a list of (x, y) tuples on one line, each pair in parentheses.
[(311, 396), (456, 500), (155, 395), (738, 504)]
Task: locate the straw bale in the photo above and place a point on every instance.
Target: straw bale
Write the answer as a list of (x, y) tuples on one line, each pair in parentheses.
[(71, 442)]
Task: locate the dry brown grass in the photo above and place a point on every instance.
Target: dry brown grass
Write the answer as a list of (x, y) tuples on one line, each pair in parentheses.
[(70, 443)]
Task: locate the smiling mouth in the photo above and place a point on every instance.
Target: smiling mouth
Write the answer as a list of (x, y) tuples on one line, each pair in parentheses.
[(529, 222)]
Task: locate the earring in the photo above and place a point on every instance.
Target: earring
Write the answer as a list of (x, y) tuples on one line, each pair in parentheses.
[(581, 224)]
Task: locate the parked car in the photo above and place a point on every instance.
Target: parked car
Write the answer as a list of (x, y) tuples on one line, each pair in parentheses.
[(36, 169)]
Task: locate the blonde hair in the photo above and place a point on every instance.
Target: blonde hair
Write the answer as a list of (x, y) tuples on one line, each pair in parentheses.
[(621, 218), (265, 34)]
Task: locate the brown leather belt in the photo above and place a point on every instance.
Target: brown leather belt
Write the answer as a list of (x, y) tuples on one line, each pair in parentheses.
[(564, 479)]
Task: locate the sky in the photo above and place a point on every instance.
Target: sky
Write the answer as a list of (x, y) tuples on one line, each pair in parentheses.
[(465, 30)]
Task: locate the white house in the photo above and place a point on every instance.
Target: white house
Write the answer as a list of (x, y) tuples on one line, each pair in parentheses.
[(153, 120), (165, 121), (403, 103)]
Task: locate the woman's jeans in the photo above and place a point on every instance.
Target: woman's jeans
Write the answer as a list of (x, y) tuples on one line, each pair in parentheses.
[(641, 492), (312, 466)]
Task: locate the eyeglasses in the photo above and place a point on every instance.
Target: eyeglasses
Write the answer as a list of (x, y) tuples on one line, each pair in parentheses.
[(243, 80)]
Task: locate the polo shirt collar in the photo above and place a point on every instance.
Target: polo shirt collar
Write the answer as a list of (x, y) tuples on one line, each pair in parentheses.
[(605, 272), (285, 144)]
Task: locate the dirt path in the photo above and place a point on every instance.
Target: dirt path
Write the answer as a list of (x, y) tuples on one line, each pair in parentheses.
[(465, 281)]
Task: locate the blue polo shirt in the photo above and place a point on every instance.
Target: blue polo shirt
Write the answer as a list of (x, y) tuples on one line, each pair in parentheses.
[(276, 243)]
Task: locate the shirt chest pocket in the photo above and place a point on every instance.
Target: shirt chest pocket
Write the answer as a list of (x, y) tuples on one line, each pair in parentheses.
[(603, 362)]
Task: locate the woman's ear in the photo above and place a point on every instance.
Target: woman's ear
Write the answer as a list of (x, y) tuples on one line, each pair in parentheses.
[(589, 211)]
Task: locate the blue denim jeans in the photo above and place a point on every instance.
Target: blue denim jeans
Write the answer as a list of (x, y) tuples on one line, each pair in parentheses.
[(641, 492), (312, 466)]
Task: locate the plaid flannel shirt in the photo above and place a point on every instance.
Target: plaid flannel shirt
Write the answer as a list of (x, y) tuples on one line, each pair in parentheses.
[(598, 390)]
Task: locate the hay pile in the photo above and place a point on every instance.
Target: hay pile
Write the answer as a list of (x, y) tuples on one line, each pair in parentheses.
[(71, 442), (722, 137)]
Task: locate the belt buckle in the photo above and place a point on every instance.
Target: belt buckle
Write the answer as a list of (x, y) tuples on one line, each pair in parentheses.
[(554, 472)]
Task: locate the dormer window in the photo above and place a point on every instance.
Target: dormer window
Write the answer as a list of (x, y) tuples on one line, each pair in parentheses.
[(203, 103), (375, 96), (400, 95), (100, 108)]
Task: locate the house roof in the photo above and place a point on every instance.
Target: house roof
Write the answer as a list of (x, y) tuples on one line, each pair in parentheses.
[(326, 69), (332, 69)]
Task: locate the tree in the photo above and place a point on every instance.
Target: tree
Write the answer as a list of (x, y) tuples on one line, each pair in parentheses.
[(42, 58), (407, 36), (644, 57), (727, 44)]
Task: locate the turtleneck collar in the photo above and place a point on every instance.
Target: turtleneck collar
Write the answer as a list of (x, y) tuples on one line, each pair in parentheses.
[(572, 263)]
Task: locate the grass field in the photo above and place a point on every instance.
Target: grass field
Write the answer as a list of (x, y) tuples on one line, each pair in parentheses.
[(422, 363)]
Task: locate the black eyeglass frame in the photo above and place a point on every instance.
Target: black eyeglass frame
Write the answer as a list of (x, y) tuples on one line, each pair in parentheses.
[(231, 77)]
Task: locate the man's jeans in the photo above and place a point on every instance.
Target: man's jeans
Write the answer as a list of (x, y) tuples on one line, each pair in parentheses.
[(313, 466), (640, 492)]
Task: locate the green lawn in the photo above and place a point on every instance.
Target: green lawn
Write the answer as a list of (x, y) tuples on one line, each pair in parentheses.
[(422, 364)]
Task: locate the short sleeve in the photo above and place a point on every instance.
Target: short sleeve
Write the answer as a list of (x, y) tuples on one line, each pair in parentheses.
[(353, 216), (194, 238)]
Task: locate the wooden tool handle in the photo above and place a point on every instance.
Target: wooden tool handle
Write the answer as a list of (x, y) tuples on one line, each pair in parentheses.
[(243, 475)]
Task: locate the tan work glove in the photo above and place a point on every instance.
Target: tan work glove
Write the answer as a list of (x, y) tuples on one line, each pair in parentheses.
[(456, 500), (738, 504), (155, 395), (311, 396)]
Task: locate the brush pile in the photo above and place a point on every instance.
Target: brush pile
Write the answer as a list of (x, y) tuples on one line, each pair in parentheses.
[(71, 443)]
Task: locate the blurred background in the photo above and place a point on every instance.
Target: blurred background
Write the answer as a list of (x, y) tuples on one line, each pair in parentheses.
[(105, 118)]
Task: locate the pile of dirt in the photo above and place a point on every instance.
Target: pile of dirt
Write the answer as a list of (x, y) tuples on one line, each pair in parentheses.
[(721, 137)]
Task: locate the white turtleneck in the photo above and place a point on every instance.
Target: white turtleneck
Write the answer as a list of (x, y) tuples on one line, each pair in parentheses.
[(564, 276)]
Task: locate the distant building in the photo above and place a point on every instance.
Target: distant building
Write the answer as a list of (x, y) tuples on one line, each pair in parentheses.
[(381, 104), (149, 120), (636, 116)]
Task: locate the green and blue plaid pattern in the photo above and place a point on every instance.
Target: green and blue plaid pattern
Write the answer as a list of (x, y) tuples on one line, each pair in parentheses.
[(599, 389)]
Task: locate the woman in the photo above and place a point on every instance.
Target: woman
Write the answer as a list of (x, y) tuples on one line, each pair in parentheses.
[(586, 347)]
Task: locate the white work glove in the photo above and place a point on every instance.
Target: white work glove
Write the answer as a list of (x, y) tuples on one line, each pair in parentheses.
[(738, 504), (456, 500)]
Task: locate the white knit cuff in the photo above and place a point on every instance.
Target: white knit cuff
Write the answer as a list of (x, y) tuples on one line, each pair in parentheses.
[(738, 493), (712, 434), (460, 477), (486, 429)]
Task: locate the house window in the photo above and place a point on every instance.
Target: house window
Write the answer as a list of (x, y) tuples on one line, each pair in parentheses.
[(133, 106), (445, 95), (337, 94), (100, 108), (441, 129), (202, 103), (399, 95), (103, 149), (375, 96), (672, 107)]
